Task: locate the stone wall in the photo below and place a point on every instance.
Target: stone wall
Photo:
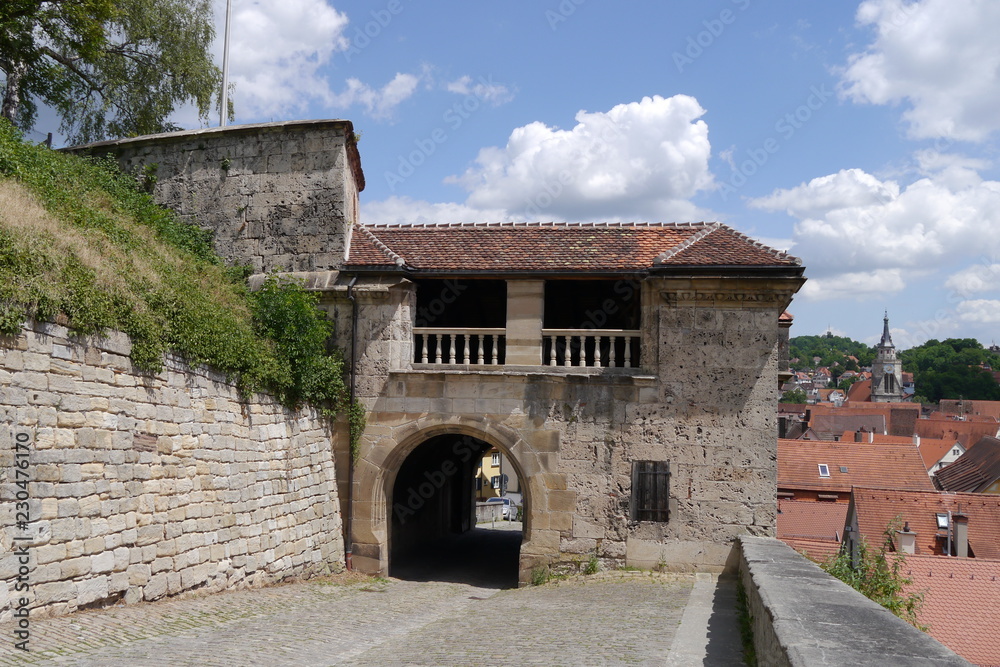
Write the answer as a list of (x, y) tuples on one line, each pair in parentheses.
[(704, 400), (802, 616), (148, 486), (279, 196)]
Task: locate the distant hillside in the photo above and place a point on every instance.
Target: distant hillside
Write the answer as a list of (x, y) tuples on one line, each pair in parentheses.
[(81, 244), (831, 350), (953, 368)]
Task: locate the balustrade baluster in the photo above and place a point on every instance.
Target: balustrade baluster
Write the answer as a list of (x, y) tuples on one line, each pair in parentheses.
[(480, 339), (465, 348), (496, 349), (568, 352), (628, 352), (552, 350), (611, 351), (438, 351), (423, 348), (597, 351)]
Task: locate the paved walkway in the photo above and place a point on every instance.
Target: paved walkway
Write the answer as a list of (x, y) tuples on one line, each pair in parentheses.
[(611, 618)]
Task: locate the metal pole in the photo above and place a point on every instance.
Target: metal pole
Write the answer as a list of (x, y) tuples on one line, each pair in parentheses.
[(224, 97)]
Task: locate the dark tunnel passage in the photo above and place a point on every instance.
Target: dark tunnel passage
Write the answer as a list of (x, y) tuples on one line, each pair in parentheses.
[(433, 534)]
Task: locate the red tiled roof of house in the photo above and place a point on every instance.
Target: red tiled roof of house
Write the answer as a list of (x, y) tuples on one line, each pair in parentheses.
[(785, 316), (551, 247), (933, 450), (966, 432), (975, 470), (830, 424), (876, 508), (860, 392), (816, 550), (852, 436), (867, 465), (900, 418), (961, 603), (979, 408), (811, 520)]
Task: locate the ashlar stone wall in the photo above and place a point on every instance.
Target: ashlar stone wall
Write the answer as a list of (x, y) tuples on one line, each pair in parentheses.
[(279, 196), (149, 486)]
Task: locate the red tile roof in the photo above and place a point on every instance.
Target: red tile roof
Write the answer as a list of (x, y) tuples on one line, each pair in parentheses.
[(816, 550), (932, 450), (979, 408), (961, 603), (875, 508), (867, 465), (966, 432), (552, 247), (975, 470), (809, 519)]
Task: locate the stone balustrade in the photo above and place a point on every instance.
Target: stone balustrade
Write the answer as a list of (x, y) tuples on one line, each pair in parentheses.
[(613, 348), (436, 345)]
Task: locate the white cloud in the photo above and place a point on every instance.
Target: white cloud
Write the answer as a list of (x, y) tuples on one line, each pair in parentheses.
[(484, 88), (939, 56), (851, 222), (404, 210), (380, 103), (860, 285), (980, 311), (976, 278), (276, 52), (641, 160)]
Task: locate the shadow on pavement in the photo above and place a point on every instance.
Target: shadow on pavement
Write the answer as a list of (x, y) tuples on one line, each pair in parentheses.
[(479, 557), (725, 646)]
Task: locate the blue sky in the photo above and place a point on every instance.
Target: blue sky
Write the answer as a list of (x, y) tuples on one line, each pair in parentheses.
[(860, 137)]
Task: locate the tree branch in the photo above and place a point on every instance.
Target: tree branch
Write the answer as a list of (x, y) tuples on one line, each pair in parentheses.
[(68, 62)]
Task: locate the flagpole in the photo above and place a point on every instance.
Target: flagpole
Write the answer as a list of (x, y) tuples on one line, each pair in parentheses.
[(224, 104)]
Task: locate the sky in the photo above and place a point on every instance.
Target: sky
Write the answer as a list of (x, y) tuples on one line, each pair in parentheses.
[(861, 138)]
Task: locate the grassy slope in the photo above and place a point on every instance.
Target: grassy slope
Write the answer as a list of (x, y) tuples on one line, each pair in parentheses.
[(79, 242)]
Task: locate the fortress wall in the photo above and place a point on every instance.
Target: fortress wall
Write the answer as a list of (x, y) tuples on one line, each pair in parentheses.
[(149, 486)]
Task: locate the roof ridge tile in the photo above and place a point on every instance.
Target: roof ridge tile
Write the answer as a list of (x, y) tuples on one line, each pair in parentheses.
[(370, 235)]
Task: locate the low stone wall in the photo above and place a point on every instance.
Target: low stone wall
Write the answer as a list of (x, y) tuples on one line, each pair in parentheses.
[(803, 616), (146, 486)]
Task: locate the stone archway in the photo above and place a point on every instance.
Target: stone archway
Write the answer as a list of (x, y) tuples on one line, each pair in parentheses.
[(384, 459)]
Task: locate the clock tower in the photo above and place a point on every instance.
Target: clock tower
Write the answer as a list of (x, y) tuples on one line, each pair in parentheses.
[(887, 370)]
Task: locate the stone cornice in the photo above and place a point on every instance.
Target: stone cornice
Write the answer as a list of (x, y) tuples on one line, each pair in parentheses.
[(765, 293)]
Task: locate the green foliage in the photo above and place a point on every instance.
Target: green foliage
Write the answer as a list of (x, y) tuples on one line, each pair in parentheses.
[(745, 619), (540, 575), (593, 565), (110, 68), (832, 351), (105, 256), (845, 384), (794, 396), (952, 369), (356, 420), (878, 575)]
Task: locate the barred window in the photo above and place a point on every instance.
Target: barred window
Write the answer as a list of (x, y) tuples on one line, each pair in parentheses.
[(650, 490)]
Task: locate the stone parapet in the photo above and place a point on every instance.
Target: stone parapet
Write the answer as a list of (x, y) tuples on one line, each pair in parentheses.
[(802, 616)]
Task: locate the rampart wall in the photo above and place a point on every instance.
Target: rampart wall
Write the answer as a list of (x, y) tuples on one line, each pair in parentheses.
[(279, 196), (145, 486)]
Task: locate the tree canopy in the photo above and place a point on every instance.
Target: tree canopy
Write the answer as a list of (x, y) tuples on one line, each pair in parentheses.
[(953, 368), (831, 350), (110, 68)]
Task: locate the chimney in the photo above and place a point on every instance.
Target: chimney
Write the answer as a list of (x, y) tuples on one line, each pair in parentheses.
[(857, 436), (907, 539), (961, 534)]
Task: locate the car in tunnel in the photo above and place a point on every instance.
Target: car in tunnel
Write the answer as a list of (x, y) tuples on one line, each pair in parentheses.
[(509, 510)]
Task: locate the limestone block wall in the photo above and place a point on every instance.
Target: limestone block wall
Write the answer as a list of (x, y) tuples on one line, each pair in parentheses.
[(275, 195), (149, 486)]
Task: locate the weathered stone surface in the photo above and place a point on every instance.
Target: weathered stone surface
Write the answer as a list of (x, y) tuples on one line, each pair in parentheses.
[(803, 616), (114, 515)]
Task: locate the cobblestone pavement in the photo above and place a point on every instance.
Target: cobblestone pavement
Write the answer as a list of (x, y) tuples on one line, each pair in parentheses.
[(606, 619)]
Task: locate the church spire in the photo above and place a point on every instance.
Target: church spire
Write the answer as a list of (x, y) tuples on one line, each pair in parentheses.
[(886, 338)]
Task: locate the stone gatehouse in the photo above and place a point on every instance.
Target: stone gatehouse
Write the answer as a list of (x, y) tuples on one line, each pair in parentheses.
[(628, 372)]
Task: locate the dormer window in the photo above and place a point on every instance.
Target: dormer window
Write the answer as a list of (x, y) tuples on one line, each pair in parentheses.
[(942, 521), (824, 470)]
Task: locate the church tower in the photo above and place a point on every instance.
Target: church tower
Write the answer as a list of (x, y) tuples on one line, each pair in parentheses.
[(887, 370)]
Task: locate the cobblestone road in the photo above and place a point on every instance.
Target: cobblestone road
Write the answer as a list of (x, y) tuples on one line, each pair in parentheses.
[(606, 619)]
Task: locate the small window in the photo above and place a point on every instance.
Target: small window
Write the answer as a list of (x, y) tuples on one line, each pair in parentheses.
[(495, 481), (956, 452), (824, 470), (843, 468), (942, 521), (496, 458), (650, 490)]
